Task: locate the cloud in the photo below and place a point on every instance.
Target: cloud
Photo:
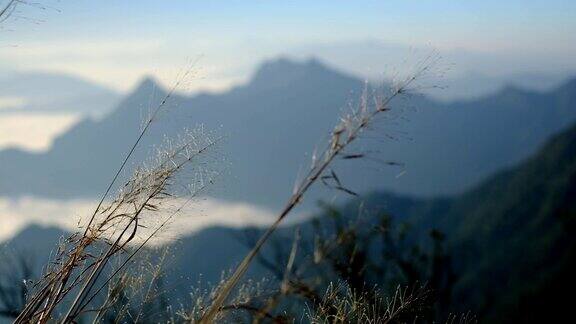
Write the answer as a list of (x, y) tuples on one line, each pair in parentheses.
[(11, 102), (16, 214), (33, 131), (80, 50), (116, 62), (121, 63)]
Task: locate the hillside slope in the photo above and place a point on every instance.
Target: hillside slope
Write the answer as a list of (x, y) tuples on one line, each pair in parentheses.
[(521, 224)]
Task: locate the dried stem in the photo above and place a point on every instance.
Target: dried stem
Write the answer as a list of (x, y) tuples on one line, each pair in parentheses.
[(116, 225), (345, 133)]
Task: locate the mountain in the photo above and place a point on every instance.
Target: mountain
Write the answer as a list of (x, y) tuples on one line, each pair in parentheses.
[(35, 241), (273, 123), (473, 85), (460, 74), (54, 92), (511, 238), (521, 223)]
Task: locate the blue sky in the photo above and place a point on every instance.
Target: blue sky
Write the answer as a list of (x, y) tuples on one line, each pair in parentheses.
[(117, 42)]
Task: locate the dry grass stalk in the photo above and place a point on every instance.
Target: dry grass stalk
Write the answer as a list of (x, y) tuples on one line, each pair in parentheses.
[(341, 305), (138, 294), (78, 267), (115, 226), (344, 134), (7, 9)]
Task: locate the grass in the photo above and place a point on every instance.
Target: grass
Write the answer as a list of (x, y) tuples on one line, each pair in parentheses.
[(347, 131), (81, 260), (92, 275)]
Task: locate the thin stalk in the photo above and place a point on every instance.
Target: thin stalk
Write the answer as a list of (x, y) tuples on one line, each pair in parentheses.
[(334, 149), (85, 290)]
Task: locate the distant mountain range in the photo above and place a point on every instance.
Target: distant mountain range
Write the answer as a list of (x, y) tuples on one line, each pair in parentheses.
[(511, 238), (476, 85), (273, 123), (459, 75), (54, 92)]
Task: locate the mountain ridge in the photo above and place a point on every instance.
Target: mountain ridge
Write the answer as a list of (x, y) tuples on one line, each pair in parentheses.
[(446, 148)]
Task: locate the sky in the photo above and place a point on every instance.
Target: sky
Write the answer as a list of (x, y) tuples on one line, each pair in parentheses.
[(117, 42)]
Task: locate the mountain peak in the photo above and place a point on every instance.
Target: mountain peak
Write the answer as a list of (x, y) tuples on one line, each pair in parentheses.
[(283, 71), (147, 85), (148, 91)]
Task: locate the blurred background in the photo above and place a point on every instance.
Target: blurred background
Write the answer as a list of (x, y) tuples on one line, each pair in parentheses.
[(474, 149)]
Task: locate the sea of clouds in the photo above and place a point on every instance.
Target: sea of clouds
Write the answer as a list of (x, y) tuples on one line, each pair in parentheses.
[(18, 213)]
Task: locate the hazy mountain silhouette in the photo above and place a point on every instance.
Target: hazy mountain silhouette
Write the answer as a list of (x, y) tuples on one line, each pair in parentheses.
[(476, 85), (36, 242), (273, 123), (55, 92)]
